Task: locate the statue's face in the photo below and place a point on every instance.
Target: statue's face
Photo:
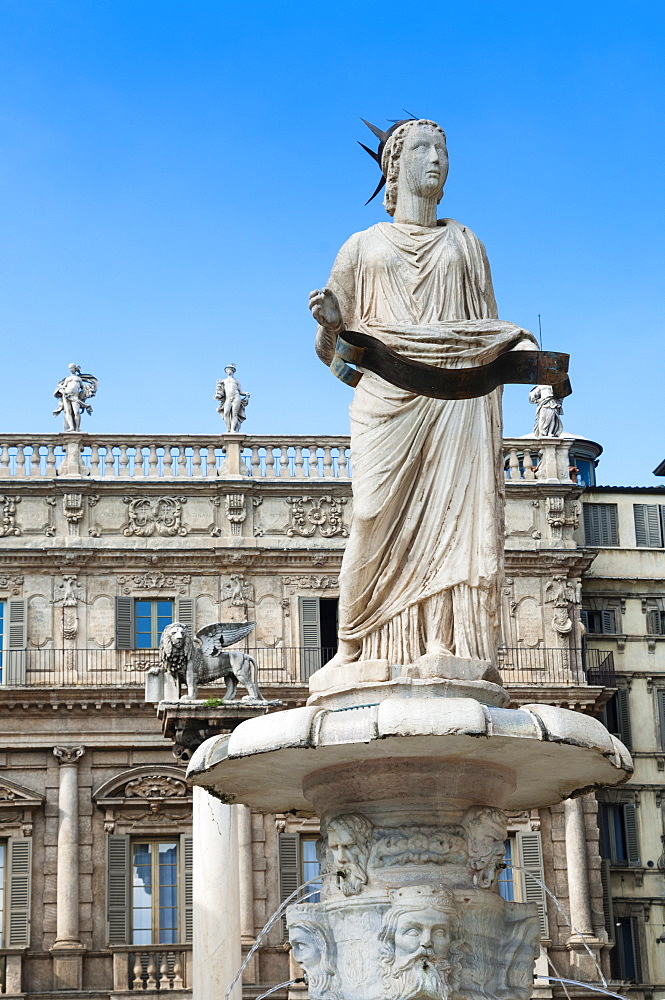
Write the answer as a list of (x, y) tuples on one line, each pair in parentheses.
[(423, 164), (303, 945), (422, 933)]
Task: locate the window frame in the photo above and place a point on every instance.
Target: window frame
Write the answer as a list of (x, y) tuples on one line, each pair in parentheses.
[(649, 523), (155, 908), (601, 521), (626, 813), (155, 632)]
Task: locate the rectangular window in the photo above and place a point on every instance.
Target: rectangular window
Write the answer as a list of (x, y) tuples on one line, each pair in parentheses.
[(649, 525), (150, 620), (655, 622), (625, 957), (616, 717), (2, 634), (155, 892), (522, 879), (619, 841), (298, 862), (3, 882), (318, 633), (600, 524), (507, 875), (599, 622), (660, 695)]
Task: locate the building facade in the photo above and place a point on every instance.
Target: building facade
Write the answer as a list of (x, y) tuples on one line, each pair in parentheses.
[(104, 541)]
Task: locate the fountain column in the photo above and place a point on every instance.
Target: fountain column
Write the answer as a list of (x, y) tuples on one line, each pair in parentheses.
[(216, 946), (67, 950), (583, 966)]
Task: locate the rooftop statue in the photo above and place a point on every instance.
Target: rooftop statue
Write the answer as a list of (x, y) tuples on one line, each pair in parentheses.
[(232, 400), (72, 393), (549, 409), (422, 570)]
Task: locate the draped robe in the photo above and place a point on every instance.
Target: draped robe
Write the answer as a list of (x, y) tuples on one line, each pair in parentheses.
[(423, 566)]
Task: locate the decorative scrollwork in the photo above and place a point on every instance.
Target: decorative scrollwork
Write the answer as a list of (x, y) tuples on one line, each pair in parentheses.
[(154, 515), (324, 513)]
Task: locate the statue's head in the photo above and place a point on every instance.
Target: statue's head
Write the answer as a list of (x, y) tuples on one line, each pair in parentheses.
[(175, 646), (230, 369), (349, 840), (415, 155), (74, 369)]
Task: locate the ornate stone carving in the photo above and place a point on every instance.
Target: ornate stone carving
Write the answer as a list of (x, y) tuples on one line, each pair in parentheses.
[(68, 755), (11, 583), (154, 515), (561, 515), (69, 596), (324, 513), (486, 835), (72, 508), (314, 948), (349, 842), (8, 525), (155, 786), (312, 582), (259, 530), (238, 591), (204, 659), (154, 581), (419, 845), (235, 511)]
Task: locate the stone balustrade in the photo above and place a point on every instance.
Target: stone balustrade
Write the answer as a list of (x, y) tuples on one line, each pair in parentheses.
[(152, 967), (160, 456), (230, 456)]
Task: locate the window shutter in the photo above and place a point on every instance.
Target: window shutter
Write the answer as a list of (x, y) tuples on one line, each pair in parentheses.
[(641, 536), (591, 524), (660, 694), (608, 907), (604, 831), (654, 622), (124, 623), (20, 877), (184, 613), (623, 717), (609, 621), (532, 863), (186, 881), (584, 618), (17, 641), (310, 636), (118, 889), (632, 841), (289, 870), (648, 529), (609, 534)]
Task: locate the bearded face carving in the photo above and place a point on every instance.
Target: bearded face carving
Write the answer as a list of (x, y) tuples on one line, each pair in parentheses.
[(349, 844)]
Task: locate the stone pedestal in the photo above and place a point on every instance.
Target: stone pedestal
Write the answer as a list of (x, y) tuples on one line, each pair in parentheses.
[(72, 465), (216, 945)]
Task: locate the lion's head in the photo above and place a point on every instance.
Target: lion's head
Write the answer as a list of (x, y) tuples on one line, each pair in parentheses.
[(175, 648)]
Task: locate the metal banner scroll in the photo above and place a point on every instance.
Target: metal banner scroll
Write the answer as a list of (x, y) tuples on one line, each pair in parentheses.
[(512, 367)]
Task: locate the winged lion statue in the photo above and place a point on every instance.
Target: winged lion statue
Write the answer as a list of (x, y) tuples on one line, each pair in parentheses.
[(204, 658)]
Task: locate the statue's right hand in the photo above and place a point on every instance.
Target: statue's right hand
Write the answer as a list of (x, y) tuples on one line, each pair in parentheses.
[(325, 309)]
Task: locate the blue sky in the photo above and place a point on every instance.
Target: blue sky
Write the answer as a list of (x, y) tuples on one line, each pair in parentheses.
[(176, 175)]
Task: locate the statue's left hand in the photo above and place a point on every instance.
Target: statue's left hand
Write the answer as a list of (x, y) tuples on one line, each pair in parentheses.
[(325, 309)]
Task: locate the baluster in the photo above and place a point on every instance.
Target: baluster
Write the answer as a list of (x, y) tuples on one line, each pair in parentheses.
[(164, 981), (209, 461), (182, 462), (30, 460), (270, 463), (151, 984), (167, 461), (178, 980), (514, 464), (328, 470), (94, 460), (528, 465), (5, 471), (299, 463), (342, 463), (137, 982), (153, 462), (256, 462), (196, 462), (109, 461), (123, 464), (19, 469), (49, 471), (139, 468)]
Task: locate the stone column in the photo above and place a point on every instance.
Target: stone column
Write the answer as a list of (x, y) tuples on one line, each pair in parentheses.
[(582, 964), (246, 873), (67, 950), (217, 950)]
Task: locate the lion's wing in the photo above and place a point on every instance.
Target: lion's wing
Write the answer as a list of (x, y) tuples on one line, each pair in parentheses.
[(214, 638)]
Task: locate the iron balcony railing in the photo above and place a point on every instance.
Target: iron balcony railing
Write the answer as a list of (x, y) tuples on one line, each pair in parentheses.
[(542, 666), (281, 665)]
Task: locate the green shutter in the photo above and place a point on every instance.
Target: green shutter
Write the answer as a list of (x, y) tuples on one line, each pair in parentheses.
[(187, 895), (20, 872), (609, 622), (591, 524), (609, 534), (608, 907), (632, 840), (623, 717), (124, 623), (118, 893), (310, 636), (532, 865), (17, 641), (660, 694), (289, 870), (641, 534), (648, 525), (184, 613)]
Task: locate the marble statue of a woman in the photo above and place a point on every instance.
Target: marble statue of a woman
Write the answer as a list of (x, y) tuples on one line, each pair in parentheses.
[(422, 571)]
